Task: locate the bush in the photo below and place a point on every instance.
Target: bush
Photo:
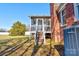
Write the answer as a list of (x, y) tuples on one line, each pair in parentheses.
[(18, 29)]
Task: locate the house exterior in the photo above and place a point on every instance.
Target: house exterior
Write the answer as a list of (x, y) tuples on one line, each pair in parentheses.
[(40, 27), (68, 16)]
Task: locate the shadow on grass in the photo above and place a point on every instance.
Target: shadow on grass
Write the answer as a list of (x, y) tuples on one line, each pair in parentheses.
[(11, 49), (26, 50), (8, 46), (35, 50)]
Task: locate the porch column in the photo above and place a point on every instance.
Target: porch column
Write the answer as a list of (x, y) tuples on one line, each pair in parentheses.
[(36, 32), (35, 38), (44, 38), (43, 31)]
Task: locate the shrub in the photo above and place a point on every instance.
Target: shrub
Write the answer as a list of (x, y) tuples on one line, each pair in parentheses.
[(18, 29)]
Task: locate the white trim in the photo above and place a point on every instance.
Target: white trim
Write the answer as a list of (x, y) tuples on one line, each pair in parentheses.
[(35, 38), (71, 27), (60, 10), (61, 16), (36, 24), (30, 24), (47, 31), (50, 25), (62, 7), (43, 30)]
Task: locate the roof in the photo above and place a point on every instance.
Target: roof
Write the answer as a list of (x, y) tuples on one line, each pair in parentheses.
[(39, 16)]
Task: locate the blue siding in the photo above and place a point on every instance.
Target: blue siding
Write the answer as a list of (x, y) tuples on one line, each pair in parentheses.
[(71, 42)]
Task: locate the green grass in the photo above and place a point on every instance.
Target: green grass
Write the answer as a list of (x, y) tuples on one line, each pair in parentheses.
[(43, 50), (5, 38), (2, 37)]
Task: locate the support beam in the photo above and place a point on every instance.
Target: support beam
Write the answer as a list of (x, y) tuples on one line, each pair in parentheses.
[(44, 38), (43, 31)]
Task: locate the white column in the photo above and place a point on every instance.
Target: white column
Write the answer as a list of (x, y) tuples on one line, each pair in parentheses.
[(36, 30), (30, 28), (35, 38), (44, 38), (50, 26), (43, 31), (36, 24)]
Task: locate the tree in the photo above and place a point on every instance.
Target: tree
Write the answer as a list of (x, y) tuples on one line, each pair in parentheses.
[(18, 29)]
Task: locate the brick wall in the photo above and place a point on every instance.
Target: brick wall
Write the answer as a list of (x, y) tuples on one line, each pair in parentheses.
[(69, 14), (55, 24), (57, 30)]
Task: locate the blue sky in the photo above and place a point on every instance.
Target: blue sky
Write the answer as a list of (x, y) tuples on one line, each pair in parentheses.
[(10, 13)]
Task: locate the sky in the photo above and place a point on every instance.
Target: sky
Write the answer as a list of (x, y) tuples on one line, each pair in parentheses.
[(12, 12)]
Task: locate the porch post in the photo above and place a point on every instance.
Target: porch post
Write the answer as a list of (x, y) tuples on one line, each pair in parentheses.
[(44, 38), (43, 31)]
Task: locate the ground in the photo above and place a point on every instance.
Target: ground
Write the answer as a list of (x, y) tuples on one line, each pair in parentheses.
[(9, 37), (24, 46)]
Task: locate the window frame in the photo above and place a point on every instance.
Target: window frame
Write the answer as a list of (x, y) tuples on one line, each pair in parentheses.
[(61, 16), (76, 12)]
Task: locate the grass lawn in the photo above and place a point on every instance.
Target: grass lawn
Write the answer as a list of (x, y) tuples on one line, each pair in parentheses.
[(2, 37), (5, 38), (43, 49)]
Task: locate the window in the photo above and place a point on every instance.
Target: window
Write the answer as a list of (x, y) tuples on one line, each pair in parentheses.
[(76, 10), (39, 28), (33, 28), (47, 21), (47, 28), (39, 22), (63, 14), (33, 22)]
